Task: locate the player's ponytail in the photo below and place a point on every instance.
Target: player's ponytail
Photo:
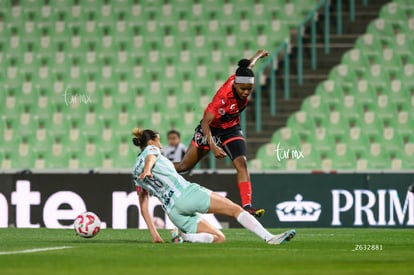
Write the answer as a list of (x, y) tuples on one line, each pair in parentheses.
[(141, 137)]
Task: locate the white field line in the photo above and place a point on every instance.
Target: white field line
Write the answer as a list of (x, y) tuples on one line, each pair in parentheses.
[(34, 250)]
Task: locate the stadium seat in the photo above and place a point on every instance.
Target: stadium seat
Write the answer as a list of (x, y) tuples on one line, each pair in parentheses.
[(403, 46), (407, 75), (123, 155), (301, 123), (404, 119), (364, 92), (342, 75), (349, 107), (382, 30), (268, 157), (91, 157), (355, 59), (378, 160), (321, 141), (392, 12), (391, 140), (371, 122), (369, 44), (343, 158), (385, 107), (58, 156), (286, 137), (310, 162)]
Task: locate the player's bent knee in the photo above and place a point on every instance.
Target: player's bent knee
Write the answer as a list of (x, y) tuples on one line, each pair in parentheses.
[(240, 163), (181, 167)]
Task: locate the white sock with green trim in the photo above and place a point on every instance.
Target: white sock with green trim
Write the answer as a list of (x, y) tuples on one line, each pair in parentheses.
[(197, 237), (250, 223)]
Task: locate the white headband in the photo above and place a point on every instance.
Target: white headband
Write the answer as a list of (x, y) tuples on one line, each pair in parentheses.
[(244, 79)]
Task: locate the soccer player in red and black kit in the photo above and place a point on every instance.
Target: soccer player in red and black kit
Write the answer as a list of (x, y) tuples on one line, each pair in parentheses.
[(220, 131)]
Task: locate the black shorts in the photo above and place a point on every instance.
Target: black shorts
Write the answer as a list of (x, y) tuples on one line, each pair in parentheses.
[(231, 140)]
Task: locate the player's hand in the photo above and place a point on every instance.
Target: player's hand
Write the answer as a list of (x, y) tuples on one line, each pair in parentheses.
[(218, 152), (262, 53), (144, 175), (157, 239)]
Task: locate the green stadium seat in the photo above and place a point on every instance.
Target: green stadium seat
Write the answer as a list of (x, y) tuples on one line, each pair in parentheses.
[(404, 120), (407, 75), (399, 92), (291, 14), (390, 61), (382, 30), (369, 44), (122, 154), (268, 159), (321, 141), (357, 139), (391, 140), (377, 159), (343, 157), (400, 161), (408, 148), (336, 122), (371, 122), (106, 135), (58, 156), (377, 76), (91, 157), (385, 107), (392, 12), (329, 91), (11, 106), (10, 135), (361, 161), (364, 92), (311, 162), (355, 59), (59, 122), (301, 123), (286, 137), (5, 161), (342, 75), (349, 107), (403, 46), (74, 138), (42, 136)]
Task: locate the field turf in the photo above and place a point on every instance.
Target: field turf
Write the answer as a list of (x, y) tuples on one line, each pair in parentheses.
[(312, 251)]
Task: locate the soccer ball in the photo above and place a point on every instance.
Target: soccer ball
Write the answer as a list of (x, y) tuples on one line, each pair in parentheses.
[(87, 224)]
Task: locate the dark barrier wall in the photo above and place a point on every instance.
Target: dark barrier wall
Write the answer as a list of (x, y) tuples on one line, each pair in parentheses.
[(290, 200), (323, 200), (54, 200)]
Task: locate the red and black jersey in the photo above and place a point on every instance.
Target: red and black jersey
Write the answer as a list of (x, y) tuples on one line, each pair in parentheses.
[(226, 106)]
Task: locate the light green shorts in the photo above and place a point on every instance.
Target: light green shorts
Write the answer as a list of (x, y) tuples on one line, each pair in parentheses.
[(185, 212)]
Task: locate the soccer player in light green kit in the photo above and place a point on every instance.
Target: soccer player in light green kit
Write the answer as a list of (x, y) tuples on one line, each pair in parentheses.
[(155, 175)]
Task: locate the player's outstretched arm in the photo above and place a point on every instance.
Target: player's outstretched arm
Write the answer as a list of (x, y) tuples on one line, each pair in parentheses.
[(149, 163), (143, 205), (259, 54)]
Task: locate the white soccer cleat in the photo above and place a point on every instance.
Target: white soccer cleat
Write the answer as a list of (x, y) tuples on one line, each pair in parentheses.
[(281, 238)]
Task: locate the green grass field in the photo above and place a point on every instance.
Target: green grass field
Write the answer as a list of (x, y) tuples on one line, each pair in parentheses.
[(312, 251)]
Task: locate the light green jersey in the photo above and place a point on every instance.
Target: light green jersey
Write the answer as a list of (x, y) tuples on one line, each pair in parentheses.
[(167, 185)]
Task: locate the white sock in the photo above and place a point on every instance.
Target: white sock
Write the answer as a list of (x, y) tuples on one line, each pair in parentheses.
[(250, 223), (198, 237)]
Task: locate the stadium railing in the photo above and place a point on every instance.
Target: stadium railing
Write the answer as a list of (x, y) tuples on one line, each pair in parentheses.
[(283, 50)]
